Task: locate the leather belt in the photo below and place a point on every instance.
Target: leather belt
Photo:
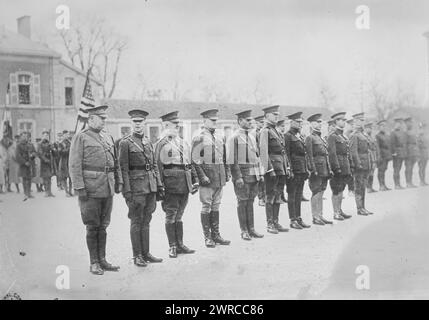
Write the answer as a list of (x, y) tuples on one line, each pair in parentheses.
[(99, 169), (178, 166), (277, 153), (146, 167)]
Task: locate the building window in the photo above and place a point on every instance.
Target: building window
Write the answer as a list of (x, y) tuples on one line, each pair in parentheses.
[(24, 81), (125, 130), (153, 133), (27, 125), (69, 91)]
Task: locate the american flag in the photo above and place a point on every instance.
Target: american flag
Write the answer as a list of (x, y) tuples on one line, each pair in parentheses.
[(87, 102)]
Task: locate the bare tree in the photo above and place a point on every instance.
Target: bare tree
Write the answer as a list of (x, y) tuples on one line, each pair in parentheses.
[(94, 46)]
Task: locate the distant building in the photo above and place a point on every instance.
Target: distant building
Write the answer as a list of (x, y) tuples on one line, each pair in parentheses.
[(40, 90)]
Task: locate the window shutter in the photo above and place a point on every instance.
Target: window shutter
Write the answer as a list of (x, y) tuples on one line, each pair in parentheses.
[(13, 83), (35, 94)]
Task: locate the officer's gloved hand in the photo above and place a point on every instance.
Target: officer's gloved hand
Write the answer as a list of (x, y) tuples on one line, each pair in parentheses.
[(83, 196), (262, 179), (337, 172), (27, 164), (331, 174), (205, 181), (239, 183), (195, 188)]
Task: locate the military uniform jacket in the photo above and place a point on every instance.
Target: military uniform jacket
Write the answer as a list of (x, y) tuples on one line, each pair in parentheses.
[(423, 143), (46, 159), (173, 151), (243, 157), (398, 143), (383, 143), (373, 151), (22, 156), (209, 158), (339, 153), (412, 147), (92, 164), (138, 165), (317, 154), (273, 151), (296, 152), (360, 151)]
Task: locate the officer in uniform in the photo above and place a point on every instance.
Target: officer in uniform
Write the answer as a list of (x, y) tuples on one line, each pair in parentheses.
[(348, 131), (296, 153), (423, 143), (360, 152), (276, 167), (92, 171), (246, 171), (47, 166), (25, 160), (63, 169), (412, 152), (398, 145), (261, 185), (385, 155), (281, 129), (141, 184), (173, 156), (340, 162), (319, 167), (373, 156), (209, 158)]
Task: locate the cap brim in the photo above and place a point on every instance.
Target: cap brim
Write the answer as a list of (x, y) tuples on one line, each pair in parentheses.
[(138, 119)]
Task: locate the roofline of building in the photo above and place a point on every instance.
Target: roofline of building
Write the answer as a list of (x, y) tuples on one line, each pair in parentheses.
[(30, 53), (77, 70)]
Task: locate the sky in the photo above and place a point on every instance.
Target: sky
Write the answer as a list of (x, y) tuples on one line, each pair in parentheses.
[(290, 48)]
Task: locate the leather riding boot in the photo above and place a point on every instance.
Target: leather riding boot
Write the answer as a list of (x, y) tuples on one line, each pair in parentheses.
[(92, 243), (277, 225), (242, 219), (96, 269), (269, 211), (251, 221), (170, 229), (181, 248), (102, 239), (217, 238), (205, 222), (145, 238), (315, 205), (139, 261)]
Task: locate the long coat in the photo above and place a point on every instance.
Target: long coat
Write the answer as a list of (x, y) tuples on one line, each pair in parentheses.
[(92, 164), (64, 154), (339, 153), (12, 165), (412, 147), (398, 144), (423, 143), (209, 158), (26, 164), (46, 159), (139, 169), (317, 154)]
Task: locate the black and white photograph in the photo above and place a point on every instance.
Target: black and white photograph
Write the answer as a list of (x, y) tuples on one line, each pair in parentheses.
[(198, 150)]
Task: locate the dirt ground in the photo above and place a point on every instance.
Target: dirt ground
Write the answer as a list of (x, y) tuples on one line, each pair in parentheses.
[(39, 235)]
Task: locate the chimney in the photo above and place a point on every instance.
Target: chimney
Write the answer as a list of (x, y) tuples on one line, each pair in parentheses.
[(24, 26)]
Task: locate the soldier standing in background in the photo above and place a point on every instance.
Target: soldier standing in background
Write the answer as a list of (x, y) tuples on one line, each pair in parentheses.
[(63, 168), (296, 153), (340, 162), (412, 152), (423, 143), (209, 158), (281, 129), (141, 183), (26, 162), (385, 155), (44, 151), (347, 133), (319, 167), (246, 171), (276, 167), (360, 152), (398, 146), (173, 156), (13, 166), (37, 179), (261, 184), (57, 157), (373, 156), (92, 170)]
